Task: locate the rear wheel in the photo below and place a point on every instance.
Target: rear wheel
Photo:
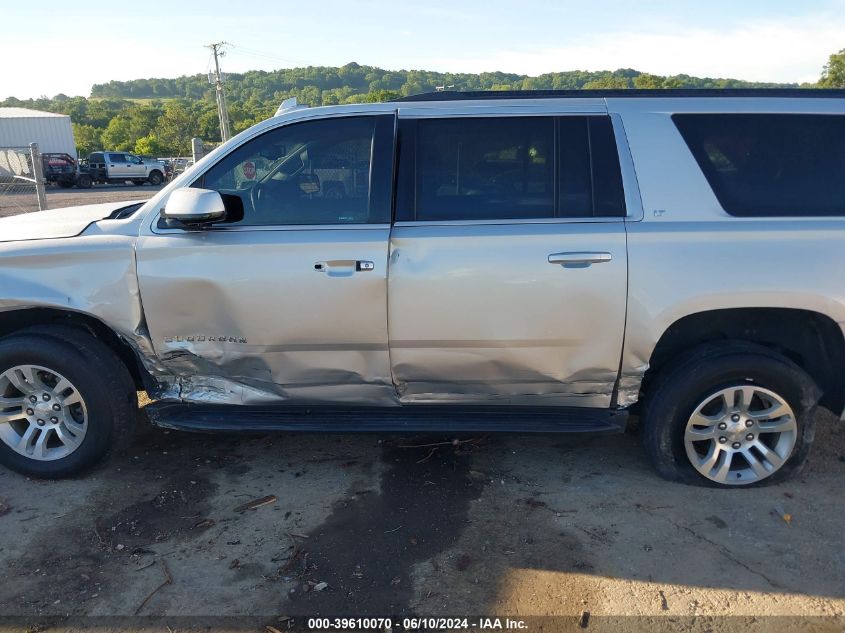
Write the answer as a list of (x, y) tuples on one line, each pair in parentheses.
[(730, 414), (83, 181), (65, 402)]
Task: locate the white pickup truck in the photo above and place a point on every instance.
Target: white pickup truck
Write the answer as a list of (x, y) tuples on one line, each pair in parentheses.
[(119, 167)]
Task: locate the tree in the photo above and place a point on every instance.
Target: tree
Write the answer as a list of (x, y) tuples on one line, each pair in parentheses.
[(118, 135), (648, 81), (176, 127), (88, 139), (607, 82), (833, 75), (148, 145)]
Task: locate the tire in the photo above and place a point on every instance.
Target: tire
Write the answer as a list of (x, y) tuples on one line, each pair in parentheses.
[(155, 178), (696, 389), (83, 181), (103, 421)]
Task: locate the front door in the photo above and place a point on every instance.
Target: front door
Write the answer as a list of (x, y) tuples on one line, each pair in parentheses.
[(135, 167), (286, 299), (508, 261)]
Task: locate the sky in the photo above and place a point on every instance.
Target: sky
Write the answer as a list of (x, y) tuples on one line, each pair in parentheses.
[(65, 47)]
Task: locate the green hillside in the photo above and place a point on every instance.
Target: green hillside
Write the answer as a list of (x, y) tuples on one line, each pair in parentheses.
[(160, 116)]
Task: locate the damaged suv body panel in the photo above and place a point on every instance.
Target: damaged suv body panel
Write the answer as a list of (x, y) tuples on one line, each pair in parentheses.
[(92, 275), (244, 317), (55, 223), (478, 314)]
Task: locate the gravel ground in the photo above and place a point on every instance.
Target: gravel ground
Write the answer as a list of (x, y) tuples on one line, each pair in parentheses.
[(13, 204), (568, 526), (502, 524)]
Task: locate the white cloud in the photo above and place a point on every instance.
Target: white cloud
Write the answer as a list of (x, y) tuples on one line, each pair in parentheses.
[(793, 51)]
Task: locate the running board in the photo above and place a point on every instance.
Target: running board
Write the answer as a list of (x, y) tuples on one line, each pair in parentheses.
[(211, 418)]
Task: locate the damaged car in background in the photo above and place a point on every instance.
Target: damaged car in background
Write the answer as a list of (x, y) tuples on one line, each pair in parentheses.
[(523, 262)]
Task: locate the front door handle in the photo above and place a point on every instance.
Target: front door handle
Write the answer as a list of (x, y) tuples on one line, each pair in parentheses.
[(579, 259), (344, 267)]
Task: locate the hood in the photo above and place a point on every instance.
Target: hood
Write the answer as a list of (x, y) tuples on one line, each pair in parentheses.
[(55, 223)]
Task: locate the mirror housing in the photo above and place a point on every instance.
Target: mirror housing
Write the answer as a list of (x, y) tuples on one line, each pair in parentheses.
[(194, 206)]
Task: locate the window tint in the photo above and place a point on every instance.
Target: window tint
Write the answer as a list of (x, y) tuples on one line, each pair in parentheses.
[(608, 193), (496, 168), (315, 172), (770, 164), (117, 158), (469, 169), (96, 158), (574, 178)]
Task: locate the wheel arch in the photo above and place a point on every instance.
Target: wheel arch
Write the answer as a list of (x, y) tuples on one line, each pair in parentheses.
[(14, 321), (812, 340)]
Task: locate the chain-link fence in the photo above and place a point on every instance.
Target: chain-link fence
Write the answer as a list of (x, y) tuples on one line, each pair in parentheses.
[(22, 186)]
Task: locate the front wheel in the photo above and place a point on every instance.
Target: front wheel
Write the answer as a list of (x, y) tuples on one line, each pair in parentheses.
[(730, 414), (65, 402), (156, 178)]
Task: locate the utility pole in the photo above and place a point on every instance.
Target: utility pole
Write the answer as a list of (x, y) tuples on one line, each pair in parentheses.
[(222, 112)]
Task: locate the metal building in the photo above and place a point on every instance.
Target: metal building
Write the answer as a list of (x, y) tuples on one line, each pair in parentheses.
[(21, 126)]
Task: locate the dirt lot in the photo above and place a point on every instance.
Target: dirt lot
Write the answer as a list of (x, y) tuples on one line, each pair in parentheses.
[(58, 198), (495, 525), (502, 524)]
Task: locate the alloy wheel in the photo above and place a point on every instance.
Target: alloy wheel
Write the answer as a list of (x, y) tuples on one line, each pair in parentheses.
[(740, 434), (42, 414)]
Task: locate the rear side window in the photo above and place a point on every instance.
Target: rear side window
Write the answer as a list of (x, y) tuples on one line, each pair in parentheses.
[(501, 168), (770, 164), (117, 158)]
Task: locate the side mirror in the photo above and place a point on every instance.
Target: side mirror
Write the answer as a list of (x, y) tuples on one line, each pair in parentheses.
[(194, 206)]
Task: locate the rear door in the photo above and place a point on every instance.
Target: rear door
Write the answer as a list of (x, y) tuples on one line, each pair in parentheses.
[(508, 260), (116, 166)]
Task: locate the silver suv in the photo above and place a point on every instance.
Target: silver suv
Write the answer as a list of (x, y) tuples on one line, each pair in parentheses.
[(534, 262)]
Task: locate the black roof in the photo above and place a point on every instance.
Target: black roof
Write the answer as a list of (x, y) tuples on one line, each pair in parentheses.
[(451, 95)]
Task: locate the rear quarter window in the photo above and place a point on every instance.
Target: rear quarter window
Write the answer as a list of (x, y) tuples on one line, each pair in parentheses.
[(762, 165)]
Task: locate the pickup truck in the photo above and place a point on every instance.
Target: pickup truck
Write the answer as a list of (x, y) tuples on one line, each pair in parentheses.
[(454, 262), (120, 167)]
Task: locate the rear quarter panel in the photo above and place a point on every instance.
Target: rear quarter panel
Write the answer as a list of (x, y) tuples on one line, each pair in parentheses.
[(688, 255)]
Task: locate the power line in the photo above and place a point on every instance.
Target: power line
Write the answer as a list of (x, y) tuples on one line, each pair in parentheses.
[(222, 111)]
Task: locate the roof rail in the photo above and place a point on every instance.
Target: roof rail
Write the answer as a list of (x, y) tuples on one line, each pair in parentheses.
[(446, 95), (289, 105)]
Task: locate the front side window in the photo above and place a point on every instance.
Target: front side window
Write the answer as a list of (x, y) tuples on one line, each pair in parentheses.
[(770, 164), (315, 172), (508, 168)]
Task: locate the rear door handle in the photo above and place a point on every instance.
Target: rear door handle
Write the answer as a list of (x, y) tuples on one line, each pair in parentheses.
[(579, 259)]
